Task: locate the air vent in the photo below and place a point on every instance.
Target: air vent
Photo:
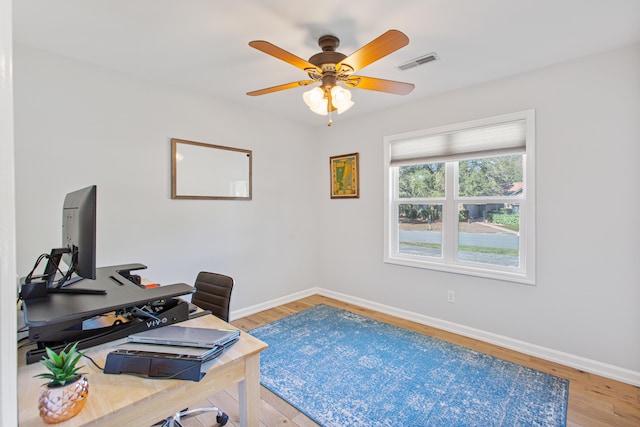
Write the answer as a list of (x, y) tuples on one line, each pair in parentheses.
[(429, 57)]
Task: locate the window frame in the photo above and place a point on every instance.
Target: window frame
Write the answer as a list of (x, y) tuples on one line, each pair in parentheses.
[(525, 273)]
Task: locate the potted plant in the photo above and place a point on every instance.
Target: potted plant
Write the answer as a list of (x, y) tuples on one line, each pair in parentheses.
[(65, 394)]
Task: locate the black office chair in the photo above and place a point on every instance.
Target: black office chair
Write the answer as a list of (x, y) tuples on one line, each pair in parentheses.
[(213, 293)]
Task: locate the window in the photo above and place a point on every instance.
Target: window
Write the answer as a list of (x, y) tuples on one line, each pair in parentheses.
[(460, 198)]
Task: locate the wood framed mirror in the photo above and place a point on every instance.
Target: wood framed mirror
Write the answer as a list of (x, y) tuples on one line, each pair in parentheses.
[(207, 171)]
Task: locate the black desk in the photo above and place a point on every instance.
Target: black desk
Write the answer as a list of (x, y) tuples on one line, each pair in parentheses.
[(58, 319)]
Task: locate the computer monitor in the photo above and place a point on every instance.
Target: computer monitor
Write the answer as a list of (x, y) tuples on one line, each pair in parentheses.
[(78, 248), (79, 232)]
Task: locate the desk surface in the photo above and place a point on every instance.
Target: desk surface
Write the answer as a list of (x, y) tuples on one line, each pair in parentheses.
[(129, 400)]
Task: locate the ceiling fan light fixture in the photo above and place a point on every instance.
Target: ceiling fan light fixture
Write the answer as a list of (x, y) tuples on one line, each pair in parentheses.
[(341, 99), (320, 108), (316, 101), (313, 96)]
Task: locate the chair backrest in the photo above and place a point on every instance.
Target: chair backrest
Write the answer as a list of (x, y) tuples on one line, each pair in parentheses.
[(213, 293)]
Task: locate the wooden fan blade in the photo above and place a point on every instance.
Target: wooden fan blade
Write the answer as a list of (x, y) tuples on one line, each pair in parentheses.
[(281, 87), (387, 43), (380, 85), (275, 51)]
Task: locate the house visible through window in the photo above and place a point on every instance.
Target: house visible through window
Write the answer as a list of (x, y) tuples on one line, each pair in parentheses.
[(461, 198)]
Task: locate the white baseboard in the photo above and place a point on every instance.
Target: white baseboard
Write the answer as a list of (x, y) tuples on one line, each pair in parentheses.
[(592, 366), (243, 312)]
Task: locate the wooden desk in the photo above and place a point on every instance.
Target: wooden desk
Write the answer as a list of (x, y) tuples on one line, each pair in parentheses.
[(126, 400)]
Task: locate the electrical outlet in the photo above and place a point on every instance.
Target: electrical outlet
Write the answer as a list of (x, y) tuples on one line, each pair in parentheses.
[(451, 296)]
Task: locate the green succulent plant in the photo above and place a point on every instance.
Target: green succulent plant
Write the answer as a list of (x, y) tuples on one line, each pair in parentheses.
[(62, 367)]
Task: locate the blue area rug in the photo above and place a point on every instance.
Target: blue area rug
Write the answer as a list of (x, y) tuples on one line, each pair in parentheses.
[(345, 370)]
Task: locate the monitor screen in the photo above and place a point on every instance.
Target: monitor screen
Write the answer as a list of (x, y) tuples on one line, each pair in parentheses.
[(79, 232)]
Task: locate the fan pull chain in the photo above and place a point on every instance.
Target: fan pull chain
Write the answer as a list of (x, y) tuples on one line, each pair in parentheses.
[(330, 120)]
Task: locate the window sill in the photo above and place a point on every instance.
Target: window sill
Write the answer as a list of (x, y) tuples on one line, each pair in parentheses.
[(463, 269)]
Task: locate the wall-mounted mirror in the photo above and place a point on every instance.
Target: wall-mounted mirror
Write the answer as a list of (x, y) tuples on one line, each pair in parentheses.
[(206, 171)]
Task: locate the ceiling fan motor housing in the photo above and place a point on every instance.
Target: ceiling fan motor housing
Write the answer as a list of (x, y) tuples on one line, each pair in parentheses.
[(328, 57), (327, 60)]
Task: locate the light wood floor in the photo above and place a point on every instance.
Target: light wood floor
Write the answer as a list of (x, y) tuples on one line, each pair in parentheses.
[(593, 400)]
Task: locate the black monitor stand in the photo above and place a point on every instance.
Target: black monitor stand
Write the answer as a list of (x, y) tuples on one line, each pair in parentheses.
[(48, 284), (56, 320)]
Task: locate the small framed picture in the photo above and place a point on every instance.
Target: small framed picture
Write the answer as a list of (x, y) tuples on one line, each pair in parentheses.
[(345, 182)]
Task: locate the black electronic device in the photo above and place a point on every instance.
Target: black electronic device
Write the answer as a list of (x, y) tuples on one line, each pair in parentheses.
[(158, 365), (78, 249), (163, 361)]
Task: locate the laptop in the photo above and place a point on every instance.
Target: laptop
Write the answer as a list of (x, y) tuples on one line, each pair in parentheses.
[(185, 336), (168, 351)]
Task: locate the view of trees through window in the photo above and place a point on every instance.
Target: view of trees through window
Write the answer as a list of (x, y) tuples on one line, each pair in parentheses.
[(489, 177), (488, 209)]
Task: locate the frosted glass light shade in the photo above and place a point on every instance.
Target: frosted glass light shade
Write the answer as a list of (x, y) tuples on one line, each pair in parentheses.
[(341, 99), (316, 101)]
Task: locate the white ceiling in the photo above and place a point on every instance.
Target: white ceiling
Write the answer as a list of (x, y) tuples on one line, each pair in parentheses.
[(202, 45)]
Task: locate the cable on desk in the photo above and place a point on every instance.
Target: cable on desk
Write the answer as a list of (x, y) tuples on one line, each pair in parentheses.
[(30, 275), (38, 261), (93, 361)]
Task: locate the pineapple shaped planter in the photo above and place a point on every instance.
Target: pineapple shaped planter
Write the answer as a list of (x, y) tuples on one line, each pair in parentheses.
[(65, 394)]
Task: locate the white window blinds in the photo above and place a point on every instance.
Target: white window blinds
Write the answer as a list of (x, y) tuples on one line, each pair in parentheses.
[(484, 141)]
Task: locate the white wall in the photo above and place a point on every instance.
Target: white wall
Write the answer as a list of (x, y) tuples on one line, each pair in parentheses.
[(8, 372), (588, 236), (77, 125)]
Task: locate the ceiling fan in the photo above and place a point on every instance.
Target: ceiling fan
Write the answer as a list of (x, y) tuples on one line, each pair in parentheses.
[(330, 67)]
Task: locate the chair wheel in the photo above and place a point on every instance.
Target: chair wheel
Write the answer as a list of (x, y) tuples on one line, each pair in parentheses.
[(222, 418)]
